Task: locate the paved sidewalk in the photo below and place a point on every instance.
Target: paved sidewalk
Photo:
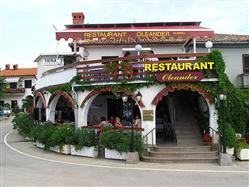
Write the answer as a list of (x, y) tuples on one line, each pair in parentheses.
[(26, 146)]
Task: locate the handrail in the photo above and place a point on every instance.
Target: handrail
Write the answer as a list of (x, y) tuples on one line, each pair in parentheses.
[(212, 141), (146, 137)]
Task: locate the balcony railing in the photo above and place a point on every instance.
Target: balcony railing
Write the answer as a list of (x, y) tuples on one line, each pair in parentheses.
[(96, 71), (14, 90)]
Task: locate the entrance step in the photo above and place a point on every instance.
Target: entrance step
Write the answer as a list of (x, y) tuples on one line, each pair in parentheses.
[(204, 148), (180, 160), (181, 154), (188, 154)]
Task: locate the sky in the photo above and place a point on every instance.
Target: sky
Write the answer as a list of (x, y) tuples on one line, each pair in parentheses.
[(27, 25)]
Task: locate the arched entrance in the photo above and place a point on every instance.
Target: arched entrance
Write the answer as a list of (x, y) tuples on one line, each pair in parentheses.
[(62, 108), (182, 115), (109, 106), (40, 107)]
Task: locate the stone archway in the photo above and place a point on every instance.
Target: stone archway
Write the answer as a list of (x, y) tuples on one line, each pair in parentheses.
[(65, 95), (54, 100), (89, 99), (108, 89), (188, 88), (182, 86)]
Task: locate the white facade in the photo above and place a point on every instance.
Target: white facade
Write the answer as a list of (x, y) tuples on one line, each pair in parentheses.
[(19, 97)]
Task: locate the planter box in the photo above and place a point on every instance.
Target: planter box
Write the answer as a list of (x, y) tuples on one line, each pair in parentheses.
[(66, 149), (40, 145), (230, 151), (113, 154), (85, 151), (243, 154)]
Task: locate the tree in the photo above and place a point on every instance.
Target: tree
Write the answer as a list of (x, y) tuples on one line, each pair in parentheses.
[(2, 86)]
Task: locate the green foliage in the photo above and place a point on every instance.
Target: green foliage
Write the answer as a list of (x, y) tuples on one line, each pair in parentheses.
[(61, 136), (231, 139), (120, 141), (83, 138), (42, 134), (240, 146), (23, 124), (2, 86), (236, 98)]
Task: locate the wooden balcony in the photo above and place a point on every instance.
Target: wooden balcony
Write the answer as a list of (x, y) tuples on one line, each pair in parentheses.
[(14, 90), (97, 71), (93, 72)]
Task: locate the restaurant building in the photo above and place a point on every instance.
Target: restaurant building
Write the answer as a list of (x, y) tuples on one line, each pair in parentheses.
[(154, 64)]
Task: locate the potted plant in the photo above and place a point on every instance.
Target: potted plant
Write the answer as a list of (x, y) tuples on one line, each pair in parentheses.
[(41, 134), (231, 140), (84, 143), (242, 151), (60, 139), (117, 143)]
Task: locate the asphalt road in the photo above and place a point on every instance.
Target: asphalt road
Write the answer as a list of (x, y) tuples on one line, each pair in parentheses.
[(26, 170)]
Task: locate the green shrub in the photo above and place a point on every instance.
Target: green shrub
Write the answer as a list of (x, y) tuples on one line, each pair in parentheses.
[(120, 141), (23, 124), (231, 139), (83, 138), (42, 134), (60, 136), (240, 146)]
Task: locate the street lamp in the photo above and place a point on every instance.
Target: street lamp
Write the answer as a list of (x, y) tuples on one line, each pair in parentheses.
[(209, 45), (223, 98), (138, 48), (129, 104)]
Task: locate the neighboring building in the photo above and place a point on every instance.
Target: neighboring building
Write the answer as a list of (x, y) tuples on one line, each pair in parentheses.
[(19, 83), (100, 65)]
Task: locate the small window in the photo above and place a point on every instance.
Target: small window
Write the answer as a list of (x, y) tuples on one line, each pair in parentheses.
[(13, 103), (28, 83), (13, 85), (245, 63)]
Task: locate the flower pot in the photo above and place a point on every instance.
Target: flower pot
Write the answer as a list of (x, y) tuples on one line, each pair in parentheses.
[(66, 149), (243, 154), (85, 151), (40, 145), (230, 150), (113, 154)]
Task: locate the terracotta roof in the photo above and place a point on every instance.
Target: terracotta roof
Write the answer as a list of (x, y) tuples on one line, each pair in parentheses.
[(230, 38), (19, 72), (128, 41)]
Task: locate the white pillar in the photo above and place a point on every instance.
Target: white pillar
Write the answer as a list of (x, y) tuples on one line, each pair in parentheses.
[(194, 45)]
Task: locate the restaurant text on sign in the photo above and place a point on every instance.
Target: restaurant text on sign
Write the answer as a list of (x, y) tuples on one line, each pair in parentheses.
[(188, 66)]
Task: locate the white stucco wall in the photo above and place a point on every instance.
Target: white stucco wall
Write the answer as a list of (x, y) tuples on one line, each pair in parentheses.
[(7, 98), (233, 61), (56, 78)]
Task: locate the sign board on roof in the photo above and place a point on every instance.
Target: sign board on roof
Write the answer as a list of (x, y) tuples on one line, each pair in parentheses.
[(53, 61)]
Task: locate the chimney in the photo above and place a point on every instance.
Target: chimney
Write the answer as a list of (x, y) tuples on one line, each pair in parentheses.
[(7, 66), (15, 66), (78, 18)]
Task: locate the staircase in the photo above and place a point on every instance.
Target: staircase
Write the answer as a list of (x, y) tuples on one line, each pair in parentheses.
[(189, 147)]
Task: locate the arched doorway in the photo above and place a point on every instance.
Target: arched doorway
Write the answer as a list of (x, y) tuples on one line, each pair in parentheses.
[(62, 108), (182, 117), (40, 107), (64, 113), (107, 105)]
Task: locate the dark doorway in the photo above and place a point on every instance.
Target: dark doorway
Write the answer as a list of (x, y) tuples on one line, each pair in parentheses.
[(64, 112), (183, 113)]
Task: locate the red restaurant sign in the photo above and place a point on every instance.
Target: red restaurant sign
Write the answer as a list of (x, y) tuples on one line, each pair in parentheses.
[(132, 34), (180, 76)]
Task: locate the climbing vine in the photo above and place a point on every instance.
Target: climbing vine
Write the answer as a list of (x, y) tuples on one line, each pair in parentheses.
[(236, 110)]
